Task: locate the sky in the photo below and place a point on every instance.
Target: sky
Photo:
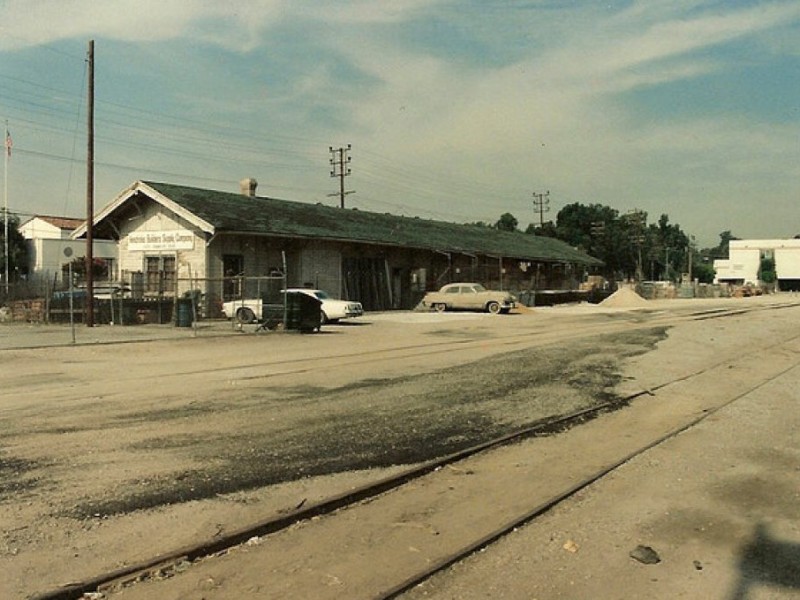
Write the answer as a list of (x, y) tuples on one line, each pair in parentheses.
[(457, 110)]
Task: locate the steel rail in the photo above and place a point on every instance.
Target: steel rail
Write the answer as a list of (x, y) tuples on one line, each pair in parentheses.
[(75, 590), (554, 501)]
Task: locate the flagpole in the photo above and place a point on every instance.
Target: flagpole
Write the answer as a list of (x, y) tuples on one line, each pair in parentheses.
[(6, 149)]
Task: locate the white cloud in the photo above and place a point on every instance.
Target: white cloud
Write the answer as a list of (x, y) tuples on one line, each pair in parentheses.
[(559, 119), (35, 22), (550, 113), (236, 26)]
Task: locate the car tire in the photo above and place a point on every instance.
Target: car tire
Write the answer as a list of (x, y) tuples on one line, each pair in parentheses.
[(493, 308), (323, 318), (245, 315), (440, 307)]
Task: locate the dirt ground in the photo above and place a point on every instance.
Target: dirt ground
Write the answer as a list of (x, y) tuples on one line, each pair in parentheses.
[(112, 453), (719, 503)]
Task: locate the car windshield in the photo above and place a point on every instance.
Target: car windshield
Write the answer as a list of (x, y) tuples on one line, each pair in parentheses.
[(478, 288), (321, 295)]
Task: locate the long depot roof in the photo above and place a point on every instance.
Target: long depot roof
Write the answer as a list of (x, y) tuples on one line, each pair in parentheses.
[(226, 212)]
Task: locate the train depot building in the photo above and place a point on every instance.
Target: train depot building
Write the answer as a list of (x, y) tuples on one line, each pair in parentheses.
[(173, 239)]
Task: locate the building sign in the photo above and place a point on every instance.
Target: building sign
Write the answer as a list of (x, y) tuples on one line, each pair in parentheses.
[(179, 239)]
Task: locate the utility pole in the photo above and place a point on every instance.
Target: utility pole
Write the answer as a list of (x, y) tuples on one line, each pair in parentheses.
[(541, 203), (637, 220), (597, 231), (90, 193), (340, 167), (6, 155)]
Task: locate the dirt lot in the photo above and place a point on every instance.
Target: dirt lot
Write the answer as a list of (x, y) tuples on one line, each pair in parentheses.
[(114, 452)]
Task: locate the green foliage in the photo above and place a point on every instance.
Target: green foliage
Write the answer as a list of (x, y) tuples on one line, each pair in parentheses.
[(767, 270), (721, 249), (99, 268), (546, 230), (703, 272), (507, 222), (627, 245), (17, 249)]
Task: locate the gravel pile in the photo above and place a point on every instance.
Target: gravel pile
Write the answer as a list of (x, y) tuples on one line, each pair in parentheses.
[(624, 298)]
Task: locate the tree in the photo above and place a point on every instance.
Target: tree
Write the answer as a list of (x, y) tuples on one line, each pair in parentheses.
[(703, 272), (507, 222), (703, 267), (667, 249), (721, 249), (546, 230), (599, 231), (17, 250), (766, 272), (99, 268)]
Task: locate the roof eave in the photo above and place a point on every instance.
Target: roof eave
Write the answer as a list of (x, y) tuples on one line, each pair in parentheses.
[(154, 194), (590, 261)]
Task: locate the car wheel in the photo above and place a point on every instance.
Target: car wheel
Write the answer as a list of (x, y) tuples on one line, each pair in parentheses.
[(493, 307), (323, 318), (245, 315), (440, 307)]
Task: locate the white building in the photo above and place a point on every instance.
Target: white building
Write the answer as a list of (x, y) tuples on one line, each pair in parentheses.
[(50, 246), (744, 262)]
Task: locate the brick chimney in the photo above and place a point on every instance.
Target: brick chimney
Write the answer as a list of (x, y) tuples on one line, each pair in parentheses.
[(248, 187)]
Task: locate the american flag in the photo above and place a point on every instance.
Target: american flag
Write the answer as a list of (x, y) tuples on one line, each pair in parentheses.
[(9, 143)]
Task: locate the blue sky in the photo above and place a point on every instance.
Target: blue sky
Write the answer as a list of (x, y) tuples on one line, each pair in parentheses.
[(456, 110)]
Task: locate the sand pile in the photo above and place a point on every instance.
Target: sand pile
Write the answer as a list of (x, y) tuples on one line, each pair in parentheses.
[(624, 298)]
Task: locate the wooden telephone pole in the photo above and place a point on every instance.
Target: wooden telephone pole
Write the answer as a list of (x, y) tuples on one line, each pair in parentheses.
[(541, 204), (90, 193)]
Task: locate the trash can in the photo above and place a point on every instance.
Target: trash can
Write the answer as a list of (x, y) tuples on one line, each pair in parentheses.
[(303, 312), (183, 312)]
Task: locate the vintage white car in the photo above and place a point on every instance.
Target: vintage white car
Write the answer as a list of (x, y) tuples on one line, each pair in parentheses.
[(332, 310), (469, 296)]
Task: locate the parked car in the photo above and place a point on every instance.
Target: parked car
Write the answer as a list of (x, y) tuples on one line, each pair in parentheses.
[(469, 296), (332, 310)]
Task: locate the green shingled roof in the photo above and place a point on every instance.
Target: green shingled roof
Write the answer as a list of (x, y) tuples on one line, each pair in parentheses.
[(230, 212)]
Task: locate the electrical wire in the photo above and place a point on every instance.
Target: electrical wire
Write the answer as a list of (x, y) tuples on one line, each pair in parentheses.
[(124, 127)]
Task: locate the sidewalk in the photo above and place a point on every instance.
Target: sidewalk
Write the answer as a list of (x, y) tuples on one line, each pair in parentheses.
[(40, 335)]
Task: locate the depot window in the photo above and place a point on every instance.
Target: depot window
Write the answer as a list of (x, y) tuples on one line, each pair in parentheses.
[(159, 274)]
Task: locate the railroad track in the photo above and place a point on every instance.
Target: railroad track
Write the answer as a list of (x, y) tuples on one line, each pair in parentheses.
[(166, 564)]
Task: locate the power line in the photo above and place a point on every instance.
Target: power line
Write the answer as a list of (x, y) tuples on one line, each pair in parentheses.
[(125, 126)]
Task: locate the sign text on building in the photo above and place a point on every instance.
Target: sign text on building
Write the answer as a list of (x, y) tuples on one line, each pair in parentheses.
[(179, 239)]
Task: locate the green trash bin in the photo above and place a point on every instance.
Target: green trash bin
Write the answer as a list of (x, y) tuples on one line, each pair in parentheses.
[(183, 312), (303, 312)]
